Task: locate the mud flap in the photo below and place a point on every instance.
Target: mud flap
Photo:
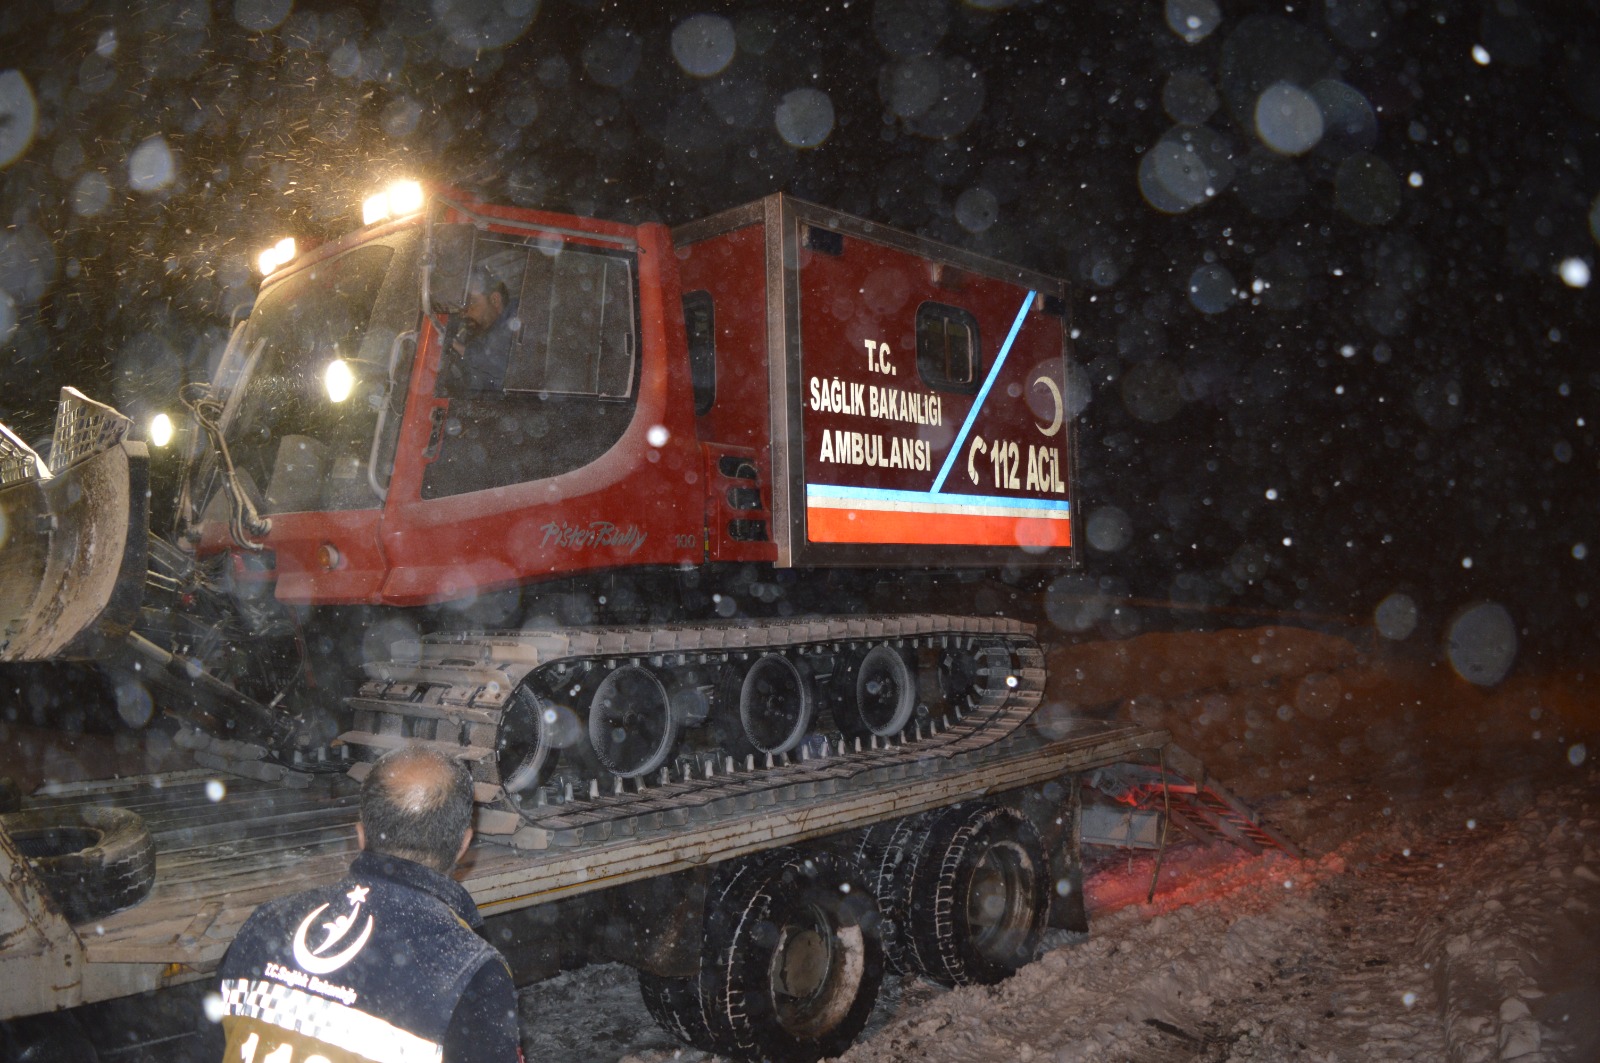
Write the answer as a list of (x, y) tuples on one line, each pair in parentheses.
[(73, 538)]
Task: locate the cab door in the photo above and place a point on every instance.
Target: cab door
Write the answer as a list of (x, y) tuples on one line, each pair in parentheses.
[(574, 451)]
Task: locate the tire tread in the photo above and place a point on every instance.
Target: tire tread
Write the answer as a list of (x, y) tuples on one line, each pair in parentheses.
[(938, 937), (115, 872)]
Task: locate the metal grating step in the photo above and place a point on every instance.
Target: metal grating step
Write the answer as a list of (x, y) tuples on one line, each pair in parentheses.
[(1197, 802)]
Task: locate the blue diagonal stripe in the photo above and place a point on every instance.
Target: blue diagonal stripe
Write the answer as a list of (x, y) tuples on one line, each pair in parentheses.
[(983, 393)]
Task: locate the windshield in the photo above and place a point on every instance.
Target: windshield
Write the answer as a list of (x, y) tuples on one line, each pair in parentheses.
[(300, 438)]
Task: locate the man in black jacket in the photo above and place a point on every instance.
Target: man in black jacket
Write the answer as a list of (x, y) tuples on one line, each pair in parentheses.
[(385, 965)]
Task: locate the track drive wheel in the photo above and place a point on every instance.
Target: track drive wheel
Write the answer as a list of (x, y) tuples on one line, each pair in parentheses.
[(793, 957), (960, 676), (978, 895), (526, 742)]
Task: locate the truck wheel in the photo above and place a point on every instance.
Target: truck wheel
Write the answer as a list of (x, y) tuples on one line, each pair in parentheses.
[(885, 854), (793, 958), (884, 695), (55, 1038), (92, 860), (775, 705), (677, 1007), (632, 726), (979, 895)]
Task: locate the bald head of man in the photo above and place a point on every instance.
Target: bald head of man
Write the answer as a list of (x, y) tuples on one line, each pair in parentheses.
[(416, 804)]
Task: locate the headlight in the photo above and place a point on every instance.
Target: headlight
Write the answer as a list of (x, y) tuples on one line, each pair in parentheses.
[(160, 430), (339, 380)]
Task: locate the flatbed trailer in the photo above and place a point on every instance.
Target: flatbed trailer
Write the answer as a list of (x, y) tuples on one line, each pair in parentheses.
[(225, 845)]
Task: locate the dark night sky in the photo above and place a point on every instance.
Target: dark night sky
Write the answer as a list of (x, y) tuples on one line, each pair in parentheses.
[(1401, 398)]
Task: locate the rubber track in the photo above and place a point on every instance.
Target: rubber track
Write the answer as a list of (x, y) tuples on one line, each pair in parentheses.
[(451, 689)]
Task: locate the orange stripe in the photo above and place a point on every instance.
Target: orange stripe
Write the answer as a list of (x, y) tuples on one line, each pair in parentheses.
[(827, 525)]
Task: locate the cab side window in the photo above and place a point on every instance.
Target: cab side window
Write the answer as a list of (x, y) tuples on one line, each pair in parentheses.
[(544, 318), (540, 365), (577, 325)]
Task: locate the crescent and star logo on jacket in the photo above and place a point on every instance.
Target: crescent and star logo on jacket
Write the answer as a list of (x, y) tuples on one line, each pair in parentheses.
[(317, 960)]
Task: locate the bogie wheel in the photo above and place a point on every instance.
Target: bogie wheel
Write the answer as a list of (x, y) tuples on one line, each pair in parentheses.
[(882, 697), (92, 860), (632, 725), (526, 744), (775, 704), (978, 897), (793, 957)]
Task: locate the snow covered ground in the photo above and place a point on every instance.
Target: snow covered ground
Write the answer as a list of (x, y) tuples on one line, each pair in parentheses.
[(1447, 910)]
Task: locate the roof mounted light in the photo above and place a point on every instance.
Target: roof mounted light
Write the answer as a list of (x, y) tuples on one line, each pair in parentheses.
[(278, 255), (396, 201)]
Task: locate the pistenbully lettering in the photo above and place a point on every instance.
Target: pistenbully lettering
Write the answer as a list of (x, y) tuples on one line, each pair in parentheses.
[(598, 533)]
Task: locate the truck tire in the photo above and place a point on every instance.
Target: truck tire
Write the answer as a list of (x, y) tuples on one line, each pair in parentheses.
[(978, 895), (92, 860), (677, 1007), (793, 958), (54, 1038), (885, 854)]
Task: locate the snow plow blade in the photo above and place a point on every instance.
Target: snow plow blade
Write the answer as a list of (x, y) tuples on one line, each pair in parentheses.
[(73, 535)]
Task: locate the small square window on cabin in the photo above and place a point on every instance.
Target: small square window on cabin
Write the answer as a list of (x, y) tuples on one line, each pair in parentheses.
[(948, 355)]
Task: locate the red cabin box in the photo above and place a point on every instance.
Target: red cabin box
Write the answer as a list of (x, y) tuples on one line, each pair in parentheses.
[(906, 402)]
